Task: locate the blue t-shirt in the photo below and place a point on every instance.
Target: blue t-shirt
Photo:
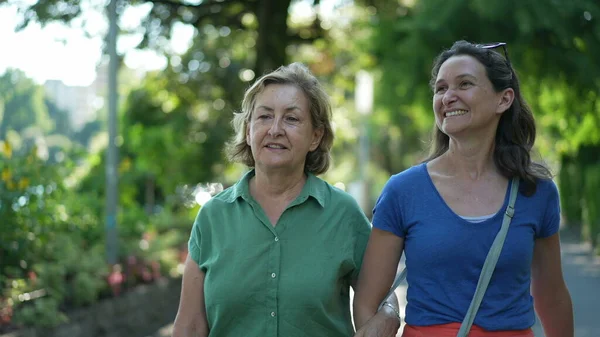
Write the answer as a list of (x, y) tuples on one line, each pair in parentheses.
[(445, 253)]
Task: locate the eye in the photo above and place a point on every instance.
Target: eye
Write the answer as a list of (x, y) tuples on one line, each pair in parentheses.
[(465, 84), (263, 116), (439, 89), (291, 119)]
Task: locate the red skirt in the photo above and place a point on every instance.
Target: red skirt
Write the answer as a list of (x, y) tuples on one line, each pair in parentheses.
[(451, 329)]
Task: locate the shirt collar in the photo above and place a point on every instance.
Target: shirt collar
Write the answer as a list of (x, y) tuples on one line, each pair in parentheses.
[(310, 189)]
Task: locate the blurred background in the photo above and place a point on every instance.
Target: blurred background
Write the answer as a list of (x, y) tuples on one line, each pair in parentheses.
[(113, 117)]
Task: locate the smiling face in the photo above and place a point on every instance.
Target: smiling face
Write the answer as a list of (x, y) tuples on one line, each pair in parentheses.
[(280, 132), (464, 98)]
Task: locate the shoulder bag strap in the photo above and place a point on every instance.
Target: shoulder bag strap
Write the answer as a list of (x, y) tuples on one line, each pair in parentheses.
[(490, 262)]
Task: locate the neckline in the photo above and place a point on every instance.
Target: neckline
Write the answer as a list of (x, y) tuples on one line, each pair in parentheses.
[(498, 213), (480, 218)]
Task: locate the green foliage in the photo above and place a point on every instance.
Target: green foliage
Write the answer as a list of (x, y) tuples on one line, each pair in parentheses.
[(45, 11), (29, 196), (591, 212), (88, 279), (22, 104), (571, 183), (50, 240), (62, 123), (579, 180), (176, 123), (167, 237), (551, 43), (43, 313), (267, 20)]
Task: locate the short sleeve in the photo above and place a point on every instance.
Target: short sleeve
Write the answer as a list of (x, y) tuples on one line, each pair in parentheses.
[(551, 220), (194, 247), (386, 213)]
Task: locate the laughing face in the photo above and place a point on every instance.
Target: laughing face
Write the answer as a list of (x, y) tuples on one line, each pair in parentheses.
[(280, 132), (464, 98)]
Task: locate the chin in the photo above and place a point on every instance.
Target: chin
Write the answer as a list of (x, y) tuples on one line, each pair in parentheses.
[(275, 165), (453, 129)]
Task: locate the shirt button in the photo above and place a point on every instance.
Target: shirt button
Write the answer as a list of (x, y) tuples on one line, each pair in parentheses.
[(276, 239), (273, 275), (272, 313)]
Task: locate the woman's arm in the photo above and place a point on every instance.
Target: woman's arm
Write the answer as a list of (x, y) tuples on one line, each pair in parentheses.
[(551, 296), (191, 316), (377, 274)]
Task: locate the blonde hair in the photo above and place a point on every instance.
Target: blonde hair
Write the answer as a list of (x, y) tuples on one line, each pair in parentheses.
[(317, 161)]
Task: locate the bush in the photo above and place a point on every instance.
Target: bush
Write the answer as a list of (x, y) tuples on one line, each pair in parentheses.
[(52, 243)]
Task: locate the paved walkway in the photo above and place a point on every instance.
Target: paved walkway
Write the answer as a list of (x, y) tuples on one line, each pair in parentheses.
[(582, 274)]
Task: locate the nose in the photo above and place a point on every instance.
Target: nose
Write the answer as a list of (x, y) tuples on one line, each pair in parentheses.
[(449, 97), (276, 128)]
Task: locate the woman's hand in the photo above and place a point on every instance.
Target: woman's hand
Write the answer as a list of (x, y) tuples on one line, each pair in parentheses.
[(384, 324)]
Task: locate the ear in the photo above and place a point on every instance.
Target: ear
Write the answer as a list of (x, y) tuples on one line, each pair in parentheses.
[(507, 96), (316, 139)]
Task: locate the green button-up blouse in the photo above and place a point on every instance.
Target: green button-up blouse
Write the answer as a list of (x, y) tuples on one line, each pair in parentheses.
[(284, 281)]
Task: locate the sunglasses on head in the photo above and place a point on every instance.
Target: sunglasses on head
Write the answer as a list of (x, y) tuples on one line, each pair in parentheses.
[(495, 45)]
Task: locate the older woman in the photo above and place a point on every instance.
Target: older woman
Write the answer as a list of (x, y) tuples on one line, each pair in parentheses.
[(275, 254), (446, 212)]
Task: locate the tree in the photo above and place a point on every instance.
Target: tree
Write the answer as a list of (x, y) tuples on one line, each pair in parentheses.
[(235, 40), (267, 18), (176, 123)]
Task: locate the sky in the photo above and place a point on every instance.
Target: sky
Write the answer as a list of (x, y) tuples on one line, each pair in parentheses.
[(65, 53), (59, 52)]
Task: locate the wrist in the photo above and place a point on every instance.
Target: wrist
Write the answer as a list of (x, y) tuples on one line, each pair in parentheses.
[(391, 310)]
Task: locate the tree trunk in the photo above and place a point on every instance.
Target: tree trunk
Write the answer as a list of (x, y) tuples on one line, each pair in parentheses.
[(273, 37)]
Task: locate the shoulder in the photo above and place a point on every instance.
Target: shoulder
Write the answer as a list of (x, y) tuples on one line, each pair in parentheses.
[(546, 185), (220, 199), (225, 196), (545, 189), (544, 200), (409, 179), (220, 203)]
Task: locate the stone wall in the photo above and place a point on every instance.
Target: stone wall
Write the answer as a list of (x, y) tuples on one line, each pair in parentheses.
[(138, 313)]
